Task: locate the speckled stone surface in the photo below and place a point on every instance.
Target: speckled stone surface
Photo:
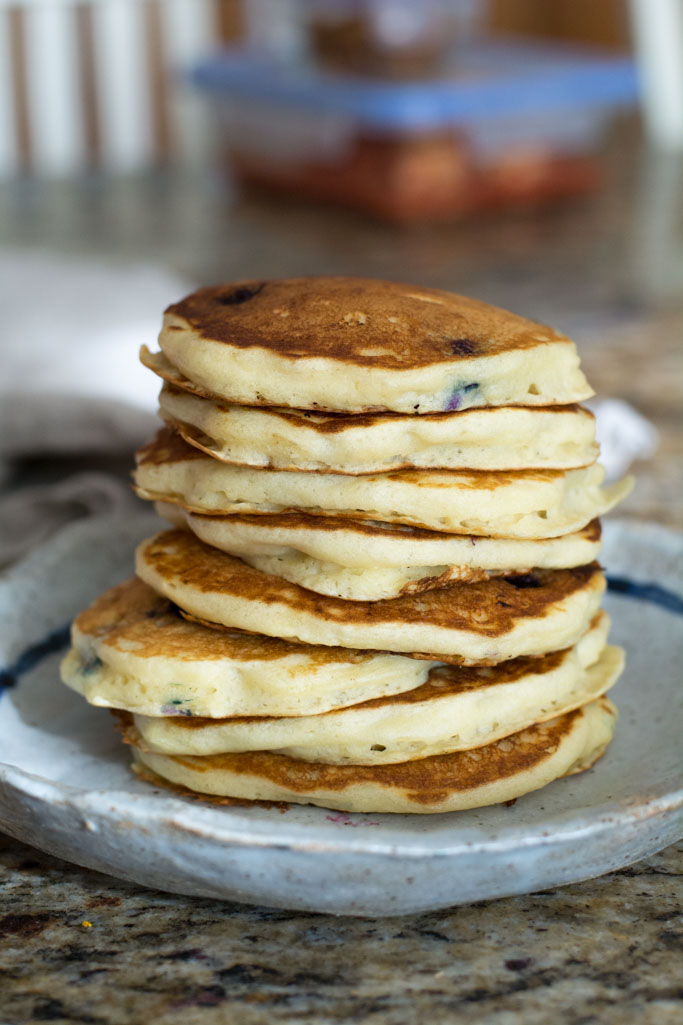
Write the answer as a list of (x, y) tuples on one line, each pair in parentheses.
[(605, 951)]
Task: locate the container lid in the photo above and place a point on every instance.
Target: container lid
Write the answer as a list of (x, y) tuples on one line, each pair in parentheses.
[(492, 78)]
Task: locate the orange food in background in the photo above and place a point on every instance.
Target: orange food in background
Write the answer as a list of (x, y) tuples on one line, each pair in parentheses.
[(403, 180)]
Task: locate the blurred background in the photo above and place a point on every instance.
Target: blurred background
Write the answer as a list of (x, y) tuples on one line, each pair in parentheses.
[(525, 152)]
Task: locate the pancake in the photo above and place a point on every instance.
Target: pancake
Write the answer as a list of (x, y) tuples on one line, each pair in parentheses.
[(502, 438), (474, 623), (262, 542), (364, 544), (514, 504), (358, 345), (457, 708), (373, 582), (501, 771), (132, 650)]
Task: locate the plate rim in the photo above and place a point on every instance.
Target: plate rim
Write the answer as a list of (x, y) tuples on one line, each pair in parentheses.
[(219, 825), (124, 804)]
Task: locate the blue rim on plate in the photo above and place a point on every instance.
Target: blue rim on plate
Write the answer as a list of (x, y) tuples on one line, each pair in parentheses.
[(65, 785)]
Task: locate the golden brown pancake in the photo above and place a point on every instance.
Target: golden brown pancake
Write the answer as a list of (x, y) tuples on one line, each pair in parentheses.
[(502, 771), (356, 344), (362, 544), (304, 317), (520, 504), (479, 623), (456, 709), (492, 438), (132, 649), (293, 546)]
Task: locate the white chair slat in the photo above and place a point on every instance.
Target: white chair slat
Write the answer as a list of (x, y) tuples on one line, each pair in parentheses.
[(190, 32), (658, 36), (55, 111), (9, 156), (190, 28), (123, 87)]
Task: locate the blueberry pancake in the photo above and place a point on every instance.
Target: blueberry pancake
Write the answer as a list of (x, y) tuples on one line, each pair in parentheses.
[(515, 504), (457, 708), (484, 622), (380, 592), (492, 438), (502, 771), (359, 345), (361, 560), (133, 650)]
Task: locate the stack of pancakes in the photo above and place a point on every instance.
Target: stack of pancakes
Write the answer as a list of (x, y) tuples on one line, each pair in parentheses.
[(380, 592)]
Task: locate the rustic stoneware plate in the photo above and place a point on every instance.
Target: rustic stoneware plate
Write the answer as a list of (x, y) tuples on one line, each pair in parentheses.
[(65, 785)]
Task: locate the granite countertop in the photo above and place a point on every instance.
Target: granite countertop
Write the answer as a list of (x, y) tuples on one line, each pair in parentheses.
[(600, 951), (607, 270)]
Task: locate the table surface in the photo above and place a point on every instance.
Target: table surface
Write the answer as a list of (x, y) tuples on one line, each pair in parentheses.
[(603, 951), (609, 271)]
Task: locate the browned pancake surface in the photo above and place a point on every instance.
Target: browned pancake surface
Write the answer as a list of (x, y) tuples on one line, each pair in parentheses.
[(132, 618), (166, 446), (489, 607), (143, 772), (303, 521), (424, 780), (336, 423), (443, 682), (380, 324), (169, 447)]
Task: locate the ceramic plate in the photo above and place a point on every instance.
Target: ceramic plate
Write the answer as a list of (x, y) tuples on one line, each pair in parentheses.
[(65, 785)]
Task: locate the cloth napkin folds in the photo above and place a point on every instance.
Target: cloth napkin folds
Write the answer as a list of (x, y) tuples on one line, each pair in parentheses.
[(71, 382)]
